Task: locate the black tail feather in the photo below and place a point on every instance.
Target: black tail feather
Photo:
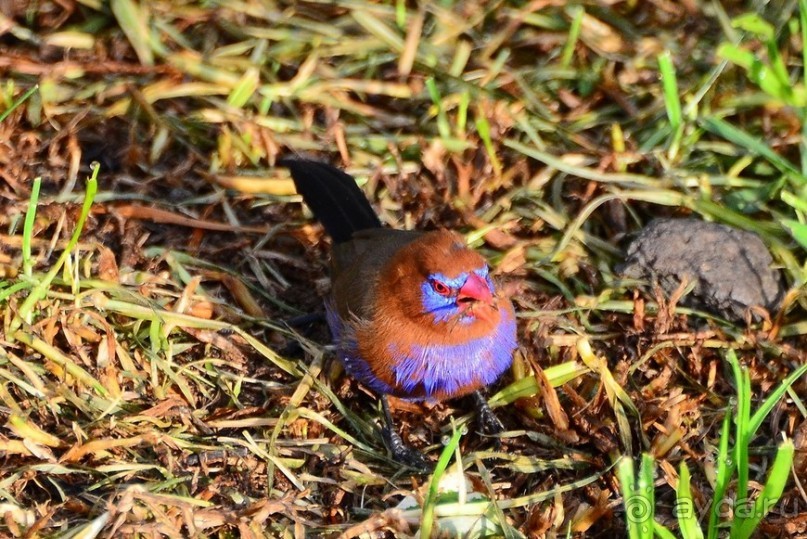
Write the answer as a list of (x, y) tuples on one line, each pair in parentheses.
[(333, 196)]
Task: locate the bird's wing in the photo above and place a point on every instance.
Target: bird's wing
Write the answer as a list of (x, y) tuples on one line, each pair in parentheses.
[(357, 263)]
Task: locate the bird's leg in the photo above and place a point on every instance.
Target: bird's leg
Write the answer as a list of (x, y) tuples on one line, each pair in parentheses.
[(401, 452), (485, 417)]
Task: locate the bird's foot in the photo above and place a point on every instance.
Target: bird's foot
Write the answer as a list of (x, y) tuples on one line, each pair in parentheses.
[(489, 424), (486, 419), (402, 453)]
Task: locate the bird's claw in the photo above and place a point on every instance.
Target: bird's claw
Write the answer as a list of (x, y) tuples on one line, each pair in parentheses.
[(486, 419), (402, 453), (488, 423)]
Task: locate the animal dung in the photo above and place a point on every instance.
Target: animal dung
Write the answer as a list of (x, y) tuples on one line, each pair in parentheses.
[(731, 268)]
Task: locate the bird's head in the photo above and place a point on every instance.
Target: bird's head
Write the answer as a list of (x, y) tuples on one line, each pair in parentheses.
[(439, 278)]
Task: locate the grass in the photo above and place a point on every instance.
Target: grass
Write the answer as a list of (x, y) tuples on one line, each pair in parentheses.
[(741, 514), (149, 382)]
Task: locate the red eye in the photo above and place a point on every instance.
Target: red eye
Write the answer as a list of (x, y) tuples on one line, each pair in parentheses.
[(441, 288)]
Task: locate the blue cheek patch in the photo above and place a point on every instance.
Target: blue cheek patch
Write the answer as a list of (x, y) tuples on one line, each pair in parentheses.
[(442, 307), (445, 307)]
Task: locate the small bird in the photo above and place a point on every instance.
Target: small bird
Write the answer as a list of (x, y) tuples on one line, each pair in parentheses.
[(413, 314)]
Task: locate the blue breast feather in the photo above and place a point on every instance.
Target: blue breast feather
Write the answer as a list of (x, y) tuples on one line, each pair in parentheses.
[(427, 371)]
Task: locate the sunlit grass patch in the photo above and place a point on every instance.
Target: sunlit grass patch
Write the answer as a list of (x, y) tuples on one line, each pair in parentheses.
[(739, 512), (149, 382)]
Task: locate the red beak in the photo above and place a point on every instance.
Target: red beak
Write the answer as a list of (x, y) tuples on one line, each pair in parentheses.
[(475, 288)]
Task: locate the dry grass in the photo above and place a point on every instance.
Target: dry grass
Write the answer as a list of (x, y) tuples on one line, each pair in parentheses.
[(154, 388)]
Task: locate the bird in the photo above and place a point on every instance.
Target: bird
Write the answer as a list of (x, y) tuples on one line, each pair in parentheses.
[(413, 314)]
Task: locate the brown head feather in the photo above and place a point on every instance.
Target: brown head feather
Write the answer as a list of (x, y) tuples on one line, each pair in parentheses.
[(400, 280)]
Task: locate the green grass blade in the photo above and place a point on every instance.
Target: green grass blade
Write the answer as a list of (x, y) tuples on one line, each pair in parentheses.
[(797, 401), (245, 89), (754, 24), (41, 289), (577, 13), (725, 469), (742, 439), (780, 71), (28, 228), (761, 74), (13, 289), (661, 531), (427, 520), (378, 28), (685, 506), (322, 420), (670, 85), (400, 14), (635, 504), (483, 128), (526, 387), (19, 101), (803, 25), (754, 145), (768, 498), (132, 20), (671, 100), (797, 203), (61, 359), (462, 113), (443, 126), (773, 399), (797, 230), (647, 491)]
